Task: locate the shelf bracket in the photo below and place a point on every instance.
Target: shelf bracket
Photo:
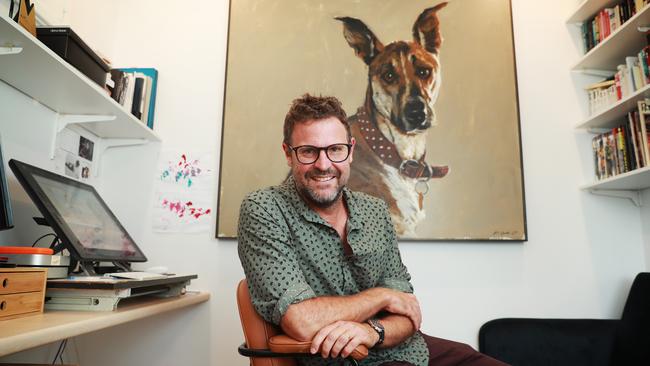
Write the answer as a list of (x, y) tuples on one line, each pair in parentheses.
[(63, 120), (596, 72), (598, 130), (114, 143), (634, 196), (10, 50)]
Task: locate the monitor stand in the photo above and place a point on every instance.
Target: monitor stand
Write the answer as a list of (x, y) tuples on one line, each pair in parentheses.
[(88, 267)]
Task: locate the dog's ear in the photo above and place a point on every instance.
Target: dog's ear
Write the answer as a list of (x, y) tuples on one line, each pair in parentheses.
[(361, 39), (426, 30)]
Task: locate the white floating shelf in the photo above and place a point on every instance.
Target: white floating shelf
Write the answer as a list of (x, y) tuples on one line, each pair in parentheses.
[(44, 76), (625, 41), (635, 180)]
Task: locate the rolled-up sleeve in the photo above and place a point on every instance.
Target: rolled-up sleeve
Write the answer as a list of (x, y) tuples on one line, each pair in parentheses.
[(396, 275), (265, 249)]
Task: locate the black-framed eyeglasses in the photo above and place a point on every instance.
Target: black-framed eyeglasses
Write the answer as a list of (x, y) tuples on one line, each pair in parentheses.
[(307, 154)]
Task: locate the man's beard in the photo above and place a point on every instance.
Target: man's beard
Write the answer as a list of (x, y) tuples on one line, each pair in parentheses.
[(316, 198)]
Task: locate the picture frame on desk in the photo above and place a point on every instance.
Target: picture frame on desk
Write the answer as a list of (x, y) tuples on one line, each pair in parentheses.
[(474, 148)]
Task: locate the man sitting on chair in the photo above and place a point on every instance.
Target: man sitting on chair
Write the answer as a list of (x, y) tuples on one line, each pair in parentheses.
[(322, 262)]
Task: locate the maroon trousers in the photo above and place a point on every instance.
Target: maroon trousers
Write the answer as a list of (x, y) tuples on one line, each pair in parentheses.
[(449, 353)]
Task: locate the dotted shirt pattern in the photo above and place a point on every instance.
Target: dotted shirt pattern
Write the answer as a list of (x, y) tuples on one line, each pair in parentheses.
[(290, 254)]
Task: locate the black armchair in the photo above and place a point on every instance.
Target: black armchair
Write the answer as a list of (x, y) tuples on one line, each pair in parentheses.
[(575, 342)]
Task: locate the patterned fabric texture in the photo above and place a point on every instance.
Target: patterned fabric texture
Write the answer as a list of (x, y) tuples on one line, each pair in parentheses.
[(290, 254)]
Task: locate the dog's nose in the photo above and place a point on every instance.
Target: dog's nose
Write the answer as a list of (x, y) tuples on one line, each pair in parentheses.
[(414, 112)]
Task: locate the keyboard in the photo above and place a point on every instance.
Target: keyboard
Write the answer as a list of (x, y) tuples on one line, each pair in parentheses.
[(136, 275)]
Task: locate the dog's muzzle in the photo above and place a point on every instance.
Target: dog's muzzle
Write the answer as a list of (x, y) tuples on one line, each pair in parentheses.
[(415, 116)]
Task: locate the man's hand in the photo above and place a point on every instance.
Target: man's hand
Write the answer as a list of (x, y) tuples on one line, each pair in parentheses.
[(342, 337), (406, 304)]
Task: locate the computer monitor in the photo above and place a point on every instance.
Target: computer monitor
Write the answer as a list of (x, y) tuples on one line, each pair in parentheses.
[(6, 216), (78, 215)]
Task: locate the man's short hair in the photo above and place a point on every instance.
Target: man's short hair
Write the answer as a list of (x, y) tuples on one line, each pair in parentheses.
[(309, 107)]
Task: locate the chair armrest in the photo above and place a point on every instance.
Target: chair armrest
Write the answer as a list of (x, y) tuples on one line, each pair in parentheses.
[(557, 342), (285, 344)]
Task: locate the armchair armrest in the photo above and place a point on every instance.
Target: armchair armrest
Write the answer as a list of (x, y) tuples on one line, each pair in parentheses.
[(285, 344), (558, 342)]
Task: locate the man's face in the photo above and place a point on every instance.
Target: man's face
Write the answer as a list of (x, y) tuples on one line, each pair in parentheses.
[(321, 182)]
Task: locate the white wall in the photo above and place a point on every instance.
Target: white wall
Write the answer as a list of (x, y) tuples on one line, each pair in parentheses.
[(645, 219), (581, 257)]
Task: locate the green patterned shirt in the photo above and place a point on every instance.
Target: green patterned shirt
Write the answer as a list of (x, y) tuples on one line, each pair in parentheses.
[(290, 254)]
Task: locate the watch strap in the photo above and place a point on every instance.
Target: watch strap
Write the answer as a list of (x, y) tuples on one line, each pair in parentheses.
[(379, 328)]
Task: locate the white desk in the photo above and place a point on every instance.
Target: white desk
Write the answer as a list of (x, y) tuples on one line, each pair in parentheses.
[(51, 326)]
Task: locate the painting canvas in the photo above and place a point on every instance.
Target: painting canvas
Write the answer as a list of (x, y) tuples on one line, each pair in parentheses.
[(431, 94)]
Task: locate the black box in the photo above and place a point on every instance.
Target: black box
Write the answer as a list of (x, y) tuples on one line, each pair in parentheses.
[(67, 44)]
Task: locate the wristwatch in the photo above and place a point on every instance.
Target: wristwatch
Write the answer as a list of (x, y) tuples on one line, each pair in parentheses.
[(376, 325)]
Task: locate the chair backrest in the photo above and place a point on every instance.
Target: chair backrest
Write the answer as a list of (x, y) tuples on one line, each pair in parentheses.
[(257, 331), (633, 335)]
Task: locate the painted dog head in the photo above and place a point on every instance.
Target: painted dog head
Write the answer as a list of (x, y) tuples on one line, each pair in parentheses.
[(404, 76)]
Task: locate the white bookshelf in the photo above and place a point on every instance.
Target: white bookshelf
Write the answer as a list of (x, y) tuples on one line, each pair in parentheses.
[(625, 41), (30, 67)]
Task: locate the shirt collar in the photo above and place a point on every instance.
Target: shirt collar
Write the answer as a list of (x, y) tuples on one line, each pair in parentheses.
[(298, 203)]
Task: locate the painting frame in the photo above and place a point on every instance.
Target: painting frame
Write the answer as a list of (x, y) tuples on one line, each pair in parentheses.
[(233, 173)]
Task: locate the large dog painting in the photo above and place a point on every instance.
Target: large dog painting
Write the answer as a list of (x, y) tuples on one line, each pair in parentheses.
[(445, 157)]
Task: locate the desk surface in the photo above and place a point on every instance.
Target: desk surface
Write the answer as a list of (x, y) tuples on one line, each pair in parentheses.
[(51, 326)]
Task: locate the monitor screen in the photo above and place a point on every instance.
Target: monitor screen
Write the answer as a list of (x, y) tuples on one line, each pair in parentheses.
[(6, 216), (78, 215)]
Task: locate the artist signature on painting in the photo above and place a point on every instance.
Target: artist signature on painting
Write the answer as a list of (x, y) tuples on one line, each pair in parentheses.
[(505, 235)]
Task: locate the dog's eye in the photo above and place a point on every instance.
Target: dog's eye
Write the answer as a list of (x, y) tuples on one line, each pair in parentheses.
[(388, 76), (423, 72)]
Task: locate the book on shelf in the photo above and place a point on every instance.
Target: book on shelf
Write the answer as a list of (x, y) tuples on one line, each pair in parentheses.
[(607, 21), (630, 147), (621, 144), (633, 122), (136, 106), (624, 147), (644, 120), (602, 94), (135, 89)]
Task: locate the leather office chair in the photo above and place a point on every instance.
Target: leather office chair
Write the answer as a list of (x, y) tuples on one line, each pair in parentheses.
[(575, 342), (266, 345)]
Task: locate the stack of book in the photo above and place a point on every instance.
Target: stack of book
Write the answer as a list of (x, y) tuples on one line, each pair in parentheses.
[(629, 77), (135, 89), (624, 148), (607, 21), (601, 95)]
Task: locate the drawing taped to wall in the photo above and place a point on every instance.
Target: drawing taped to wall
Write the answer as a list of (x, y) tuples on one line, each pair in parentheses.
[(184, 191)]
